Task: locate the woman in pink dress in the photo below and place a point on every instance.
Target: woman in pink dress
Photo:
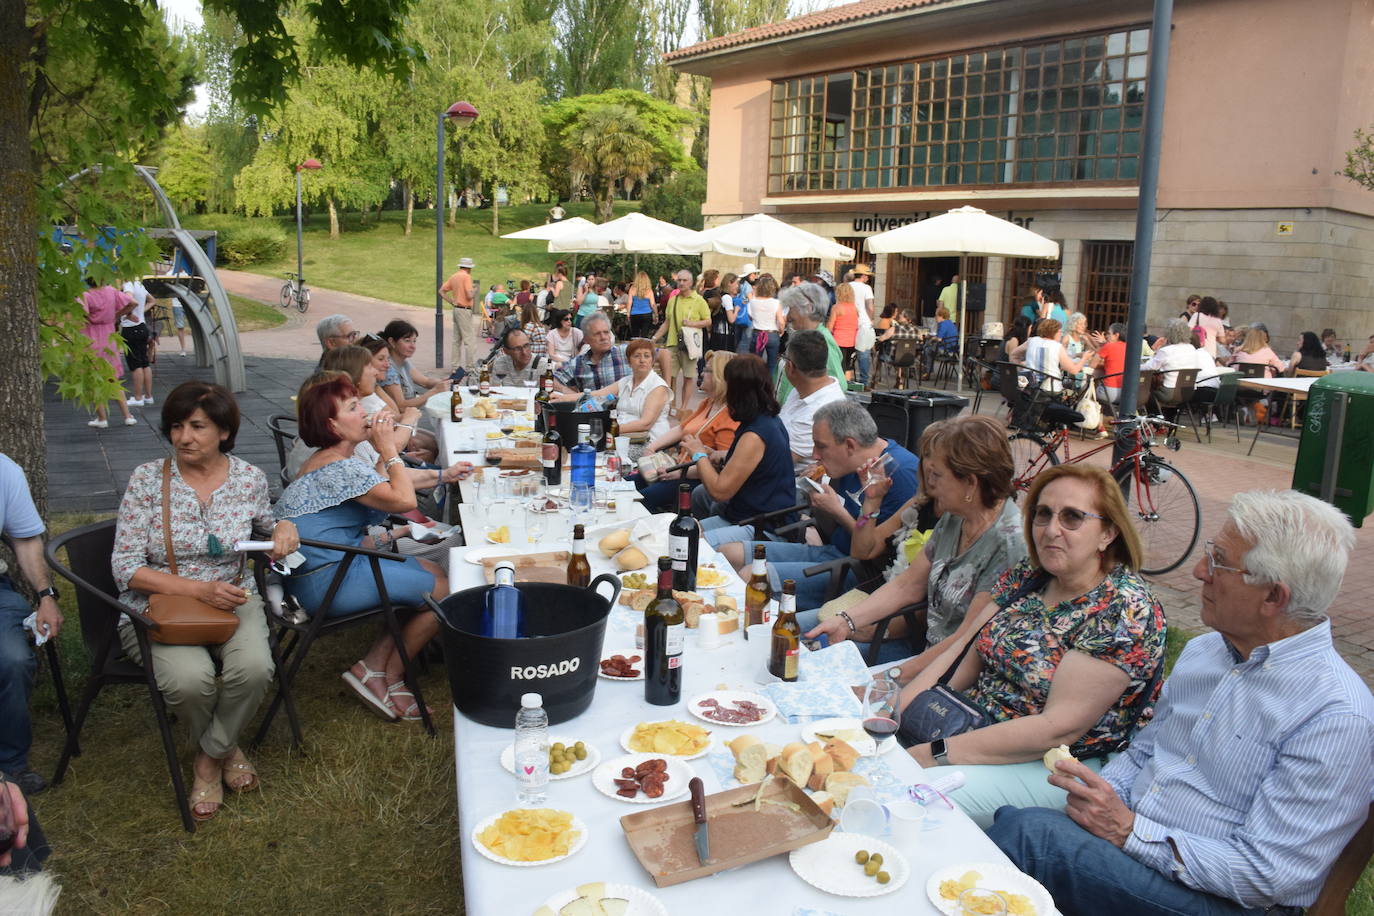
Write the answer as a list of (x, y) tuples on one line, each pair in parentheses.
[(104, 306)]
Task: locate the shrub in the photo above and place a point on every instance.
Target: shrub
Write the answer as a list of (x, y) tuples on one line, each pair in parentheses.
[(241, 246)]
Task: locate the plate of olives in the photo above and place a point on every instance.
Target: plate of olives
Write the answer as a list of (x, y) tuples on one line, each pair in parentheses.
[(568, 757), (851, 865)]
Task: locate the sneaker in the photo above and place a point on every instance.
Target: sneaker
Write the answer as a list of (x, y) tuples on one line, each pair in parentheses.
[(183, 354), (28, 780), (148, 400), (130, 421), (134, 402), (98, 424)]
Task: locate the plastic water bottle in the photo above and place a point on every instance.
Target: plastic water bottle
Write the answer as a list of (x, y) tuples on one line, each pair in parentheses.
[(531, 751), (584, 458)]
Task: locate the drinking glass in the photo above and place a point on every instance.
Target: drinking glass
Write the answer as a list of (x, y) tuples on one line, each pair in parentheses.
[(582, 500), (535, 521), (878, 470), (880, 708), (506, 420)]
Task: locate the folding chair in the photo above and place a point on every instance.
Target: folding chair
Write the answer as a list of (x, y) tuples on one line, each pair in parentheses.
[(88, 552), (1223, 405), (1185, 384), (283, 429)]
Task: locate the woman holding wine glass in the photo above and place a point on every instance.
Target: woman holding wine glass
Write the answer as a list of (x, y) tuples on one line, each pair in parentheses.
[(1069, 651), (712, 424)]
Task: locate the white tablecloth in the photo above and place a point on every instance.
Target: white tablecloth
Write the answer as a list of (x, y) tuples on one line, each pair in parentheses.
[(766, 888)]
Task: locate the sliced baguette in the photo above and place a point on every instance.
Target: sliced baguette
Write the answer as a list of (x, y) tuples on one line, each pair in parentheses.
[(824, 800), (839, 784), (843, 753), (796, 763), (821, 766)]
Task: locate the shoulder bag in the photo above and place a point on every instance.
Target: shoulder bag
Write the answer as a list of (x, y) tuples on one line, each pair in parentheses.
[(942, 711), (182, 620), (1089, 407)]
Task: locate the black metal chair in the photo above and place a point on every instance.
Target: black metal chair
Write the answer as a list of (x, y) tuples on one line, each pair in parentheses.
[(1178, 399), (59, 686), (283, 429), (869, 575), (1223, 403), (88, 568), (1009, 385), (306, 628)]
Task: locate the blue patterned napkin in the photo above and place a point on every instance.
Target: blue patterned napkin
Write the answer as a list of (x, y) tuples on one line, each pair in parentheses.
[(813, 699), (812, 911), (842, 661)]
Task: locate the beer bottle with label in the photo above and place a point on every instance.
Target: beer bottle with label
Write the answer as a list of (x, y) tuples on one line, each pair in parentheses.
[(665, 631), (579, 570), (551, 455), (786, 652), (484, 382), (758, 593), (541, 403), (455, 403), (612, 431), (684, 535)]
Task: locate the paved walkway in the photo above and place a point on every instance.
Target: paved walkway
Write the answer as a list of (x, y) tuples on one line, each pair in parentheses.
[(89, 468)]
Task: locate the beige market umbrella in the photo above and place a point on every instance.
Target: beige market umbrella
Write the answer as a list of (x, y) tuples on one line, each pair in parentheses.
[(762, 234)]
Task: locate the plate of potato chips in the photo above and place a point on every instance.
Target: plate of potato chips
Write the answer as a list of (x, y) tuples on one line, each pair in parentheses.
[(1024, 895), (678, 739), (529, 836)]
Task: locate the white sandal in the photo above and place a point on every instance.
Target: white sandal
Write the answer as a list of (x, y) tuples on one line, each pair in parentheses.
[(370, 699)]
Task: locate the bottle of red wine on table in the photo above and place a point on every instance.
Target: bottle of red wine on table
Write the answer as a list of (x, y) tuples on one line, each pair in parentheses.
[(665, 632), (684, 536)]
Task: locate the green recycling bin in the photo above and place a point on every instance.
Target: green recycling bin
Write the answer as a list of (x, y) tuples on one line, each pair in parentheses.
[(1336, 452)]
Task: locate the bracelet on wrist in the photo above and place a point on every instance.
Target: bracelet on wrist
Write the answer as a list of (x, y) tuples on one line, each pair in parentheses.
[(849, 620), (697, 456), (392, 462)]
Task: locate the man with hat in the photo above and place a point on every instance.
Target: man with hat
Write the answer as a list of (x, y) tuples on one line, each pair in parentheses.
[(863, 299), (458, 292), (748, 274)]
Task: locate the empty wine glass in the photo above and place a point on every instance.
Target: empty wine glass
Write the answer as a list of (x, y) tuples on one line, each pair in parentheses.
[(535, 521), (582, 500), (878, 469), (880, 707)]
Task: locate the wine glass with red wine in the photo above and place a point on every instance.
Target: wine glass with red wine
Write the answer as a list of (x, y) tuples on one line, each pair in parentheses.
[(880, 707)]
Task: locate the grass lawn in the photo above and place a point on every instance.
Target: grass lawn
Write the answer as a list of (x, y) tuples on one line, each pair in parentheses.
[(377, 259), (364, 821), (251, 315)]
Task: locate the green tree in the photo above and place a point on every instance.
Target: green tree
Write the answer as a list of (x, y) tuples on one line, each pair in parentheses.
[(89, 84), (677, 200), (606, 146), (1359, 161), (231, 133), (185, 167), (601, 45)]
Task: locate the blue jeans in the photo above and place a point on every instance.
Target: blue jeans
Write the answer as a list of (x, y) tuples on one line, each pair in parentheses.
[(17, 667), (659, 496), (865, 358), (1082, 871), (786, 560)]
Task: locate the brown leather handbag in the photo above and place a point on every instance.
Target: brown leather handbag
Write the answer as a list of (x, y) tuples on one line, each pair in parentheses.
[(182, 620)]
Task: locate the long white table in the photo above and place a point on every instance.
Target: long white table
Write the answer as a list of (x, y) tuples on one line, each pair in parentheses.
[(766, 888)]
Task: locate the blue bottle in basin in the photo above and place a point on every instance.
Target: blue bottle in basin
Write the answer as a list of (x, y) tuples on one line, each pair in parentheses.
[(503, 608), (584, 457)]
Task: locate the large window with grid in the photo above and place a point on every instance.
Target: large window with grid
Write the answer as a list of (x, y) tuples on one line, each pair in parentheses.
[(1054, 110), (1105, 284), (1022, 274)]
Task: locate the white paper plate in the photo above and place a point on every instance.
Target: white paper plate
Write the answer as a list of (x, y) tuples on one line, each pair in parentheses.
[(642, 903), (862, 743), (679, 774), (727, 699), (829, 865), (994, 878), (728, 579), (627, 653), (578, 843), (508, 545), (625, 743), (582, 766)]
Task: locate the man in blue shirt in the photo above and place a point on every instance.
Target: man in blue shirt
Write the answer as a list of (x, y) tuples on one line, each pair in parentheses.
[(1257, 767), (20, 522), (845, 439)]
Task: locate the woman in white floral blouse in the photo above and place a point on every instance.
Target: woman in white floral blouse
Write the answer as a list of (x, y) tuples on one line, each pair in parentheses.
[(216, 499)]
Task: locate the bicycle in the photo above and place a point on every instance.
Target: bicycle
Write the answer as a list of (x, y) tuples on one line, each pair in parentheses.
[(1167, 513), (295, 291)]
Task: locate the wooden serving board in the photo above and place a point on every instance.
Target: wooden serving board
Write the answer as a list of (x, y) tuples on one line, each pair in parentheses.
[(551, 567), (518, 458), (511, 403), (663, 838)]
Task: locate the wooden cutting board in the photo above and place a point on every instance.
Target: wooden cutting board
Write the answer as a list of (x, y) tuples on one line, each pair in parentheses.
[(519, 458), (551, 567)]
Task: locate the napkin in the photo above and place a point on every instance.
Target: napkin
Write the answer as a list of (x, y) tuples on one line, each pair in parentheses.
[(842, 661), (817, 698), (812, 911)]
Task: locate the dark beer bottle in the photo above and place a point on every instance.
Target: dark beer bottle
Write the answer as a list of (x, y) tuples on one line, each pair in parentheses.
[(758, 593), (579, 570), (665, 631), (786, 651)]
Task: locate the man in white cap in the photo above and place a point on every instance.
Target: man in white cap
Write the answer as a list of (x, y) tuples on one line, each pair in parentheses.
[(747, 275), (458, 292), (863, 299)]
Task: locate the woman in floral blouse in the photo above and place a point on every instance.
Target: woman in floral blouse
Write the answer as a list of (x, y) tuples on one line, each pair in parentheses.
[(216, 499), (1077, 660)]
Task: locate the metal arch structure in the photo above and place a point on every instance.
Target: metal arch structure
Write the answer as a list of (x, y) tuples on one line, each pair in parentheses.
[(212, 320)]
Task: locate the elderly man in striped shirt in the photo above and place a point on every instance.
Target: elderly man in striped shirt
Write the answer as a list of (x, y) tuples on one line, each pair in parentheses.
[(1259, 764)]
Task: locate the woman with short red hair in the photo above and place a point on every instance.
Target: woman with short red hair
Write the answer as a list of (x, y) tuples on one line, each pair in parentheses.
[(335, 498)]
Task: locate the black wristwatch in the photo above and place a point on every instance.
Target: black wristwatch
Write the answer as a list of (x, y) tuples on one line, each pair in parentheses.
[(939, 751), (48, 592)]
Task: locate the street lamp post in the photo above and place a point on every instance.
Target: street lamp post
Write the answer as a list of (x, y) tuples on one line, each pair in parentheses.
[(313, 165), (462, 114)]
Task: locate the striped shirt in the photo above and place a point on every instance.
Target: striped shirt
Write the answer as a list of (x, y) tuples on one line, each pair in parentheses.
[(1257, 771)]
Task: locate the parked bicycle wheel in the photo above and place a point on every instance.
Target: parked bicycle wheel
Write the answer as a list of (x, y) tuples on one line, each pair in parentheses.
[(1165, 510), (287, 294), (1030, 455), (303, 298)]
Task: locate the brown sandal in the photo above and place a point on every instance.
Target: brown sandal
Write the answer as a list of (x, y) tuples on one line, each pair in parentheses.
[(236, 765), (205, 793)]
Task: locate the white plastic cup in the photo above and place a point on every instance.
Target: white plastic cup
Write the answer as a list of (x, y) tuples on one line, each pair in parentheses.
[(906, 819), (758, 647), (708, 631), (863, 814), (622, 447)]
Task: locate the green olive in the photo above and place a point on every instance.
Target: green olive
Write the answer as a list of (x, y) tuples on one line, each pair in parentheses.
[(876, 857), (558, 748), (871, 868), (883, 877), (861, 857), (580, 752)]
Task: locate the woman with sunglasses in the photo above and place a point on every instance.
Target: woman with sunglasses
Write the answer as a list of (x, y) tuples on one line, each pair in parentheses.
[(1068, 652), (563, 340)]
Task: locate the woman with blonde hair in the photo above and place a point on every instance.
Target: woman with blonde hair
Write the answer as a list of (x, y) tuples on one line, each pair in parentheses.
[(843, 325), (711, 422), (1255, 350), (643, 310)]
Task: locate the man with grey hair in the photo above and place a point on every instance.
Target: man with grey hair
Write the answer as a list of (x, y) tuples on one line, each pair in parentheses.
[(1178, 353), (599, 364), (334, 331), (807, 306), (809, 390), (1257, 766), (846, 441)]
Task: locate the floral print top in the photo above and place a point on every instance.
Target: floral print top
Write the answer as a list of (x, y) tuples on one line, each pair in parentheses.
[(239, 510), (1119, 621)]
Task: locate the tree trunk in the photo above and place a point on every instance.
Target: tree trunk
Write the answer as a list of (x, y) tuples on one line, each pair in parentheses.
[(333, 218), (605, 203), (21, 396), (410, 207), (452, 210), (495, 215)]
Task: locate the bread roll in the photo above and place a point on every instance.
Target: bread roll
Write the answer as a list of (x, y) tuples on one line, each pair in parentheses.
[(614, 542), (1056, 754), (641, 598), (729, 623), (751, 758), (726, 605), (824, 800), (821, 766), (796, 763), (842, 753), (631, 558), (839, 784)]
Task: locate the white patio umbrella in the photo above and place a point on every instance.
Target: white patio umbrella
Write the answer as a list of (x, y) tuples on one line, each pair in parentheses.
[(553, 230), (961, 232), (761, 234), (633, 233)]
